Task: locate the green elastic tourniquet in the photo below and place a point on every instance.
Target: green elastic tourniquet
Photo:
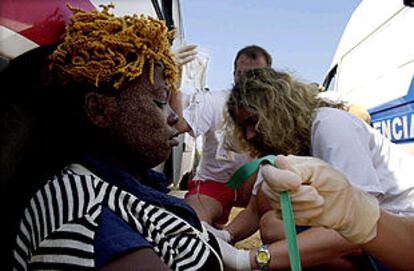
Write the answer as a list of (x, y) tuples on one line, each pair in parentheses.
[(241, 175)]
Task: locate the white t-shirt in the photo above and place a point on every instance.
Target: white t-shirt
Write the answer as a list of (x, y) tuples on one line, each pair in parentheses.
[(369, 160), (205, 116)]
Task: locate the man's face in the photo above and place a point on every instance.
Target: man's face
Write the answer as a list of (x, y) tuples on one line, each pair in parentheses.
[(143, 121), (245, 63)]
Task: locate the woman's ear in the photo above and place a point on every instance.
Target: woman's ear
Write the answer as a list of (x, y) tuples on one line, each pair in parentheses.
[(95, 109)]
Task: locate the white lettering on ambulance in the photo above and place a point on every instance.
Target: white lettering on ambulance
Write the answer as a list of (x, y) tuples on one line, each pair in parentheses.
[(377, 125), (397, 128), (405, 126), (412, 126), (386, 128), (396, 131)]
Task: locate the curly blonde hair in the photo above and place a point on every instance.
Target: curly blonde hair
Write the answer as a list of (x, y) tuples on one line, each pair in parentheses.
[(285, 109), (100, 48)]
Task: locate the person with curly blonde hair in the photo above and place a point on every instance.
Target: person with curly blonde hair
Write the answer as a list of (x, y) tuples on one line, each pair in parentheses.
[(269, 112), (274, 96)]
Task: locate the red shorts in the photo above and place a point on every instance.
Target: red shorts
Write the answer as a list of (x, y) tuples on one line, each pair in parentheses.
[(218, 191)]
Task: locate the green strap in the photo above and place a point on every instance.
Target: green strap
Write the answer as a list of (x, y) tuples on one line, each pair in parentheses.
[(290, 231), (247, 170)]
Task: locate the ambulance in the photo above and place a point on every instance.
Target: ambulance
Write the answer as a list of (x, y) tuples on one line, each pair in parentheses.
[(374, 66)]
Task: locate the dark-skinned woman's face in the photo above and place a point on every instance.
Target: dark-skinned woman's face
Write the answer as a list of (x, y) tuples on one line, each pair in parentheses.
[(142, 122)]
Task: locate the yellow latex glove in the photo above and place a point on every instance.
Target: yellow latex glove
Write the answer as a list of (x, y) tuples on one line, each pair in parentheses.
[(322, 196), (185, 54)]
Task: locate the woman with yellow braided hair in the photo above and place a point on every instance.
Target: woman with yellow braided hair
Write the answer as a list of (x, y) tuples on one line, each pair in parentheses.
[(101, 48), (92, 118)]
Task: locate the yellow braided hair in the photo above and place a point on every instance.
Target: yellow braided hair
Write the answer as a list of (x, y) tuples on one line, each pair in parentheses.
[(100, 47)]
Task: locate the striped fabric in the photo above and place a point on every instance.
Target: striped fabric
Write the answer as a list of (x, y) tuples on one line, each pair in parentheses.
[(58, 227)]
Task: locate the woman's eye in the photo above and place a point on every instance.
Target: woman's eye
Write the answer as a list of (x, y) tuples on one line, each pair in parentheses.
[(161, 105)]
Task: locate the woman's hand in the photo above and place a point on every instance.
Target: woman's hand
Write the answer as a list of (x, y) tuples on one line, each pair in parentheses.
[(322, 196)]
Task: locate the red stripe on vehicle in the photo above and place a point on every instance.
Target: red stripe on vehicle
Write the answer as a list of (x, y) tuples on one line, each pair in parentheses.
[(41, 21)]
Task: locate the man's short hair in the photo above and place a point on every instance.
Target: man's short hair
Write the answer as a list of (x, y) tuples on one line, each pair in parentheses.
[(254, 51)]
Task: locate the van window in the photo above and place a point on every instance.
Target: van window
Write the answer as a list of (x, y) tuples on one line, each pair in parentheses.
[(409, 3), (330, 80)]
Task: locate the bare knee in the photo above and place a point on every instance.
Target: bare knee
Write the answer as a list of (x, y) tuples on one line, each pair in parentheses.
[(271, 228)]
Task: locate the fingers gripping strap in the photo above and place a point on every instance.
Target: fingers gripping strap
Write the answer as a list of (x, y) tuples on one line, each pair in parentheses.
[(241, 175)]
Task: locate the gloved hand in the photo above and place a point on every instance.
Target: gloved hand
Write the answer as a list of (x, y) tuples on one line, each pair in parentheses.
[(322, 196), (185, 54), (222, 234)]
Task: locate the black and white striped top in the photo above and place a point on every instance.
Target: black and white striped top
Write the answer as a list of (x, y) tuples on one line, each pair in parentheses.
[(58, 227)]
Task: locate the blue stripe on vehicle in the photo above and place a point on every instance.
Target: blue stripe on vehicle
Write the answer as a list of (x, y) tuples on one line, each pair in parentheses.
[(395, 119)]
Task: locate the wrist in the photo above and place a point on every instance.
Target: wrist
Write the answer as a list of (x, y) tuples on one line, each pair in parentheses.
[(262, 258), (223, 234), (229, 234), (362, 225)]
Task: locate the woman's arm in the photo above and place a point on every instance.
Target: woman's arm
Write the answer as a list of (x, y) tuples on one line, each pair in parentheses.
[(394, 243), (245, 223), (321, 196)]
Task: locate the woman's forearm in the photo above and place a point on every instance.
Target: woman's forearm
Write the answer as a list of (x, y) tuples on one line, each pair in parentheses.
[(394, 243)]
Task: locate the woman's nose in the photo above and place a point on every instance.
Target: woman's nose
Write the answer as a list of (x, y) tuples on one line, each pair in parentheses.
[(250, 133)]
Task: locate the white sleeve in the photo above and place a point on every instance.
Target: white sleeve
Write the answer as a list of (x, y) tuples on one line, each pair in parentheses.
[(342, 140), (199, 114), (258, 182)]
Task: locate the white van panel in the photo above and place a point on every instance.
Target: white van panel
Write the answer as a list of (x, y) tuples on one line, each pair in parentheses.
[(374, 66), (368, 16), (382, 61)]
